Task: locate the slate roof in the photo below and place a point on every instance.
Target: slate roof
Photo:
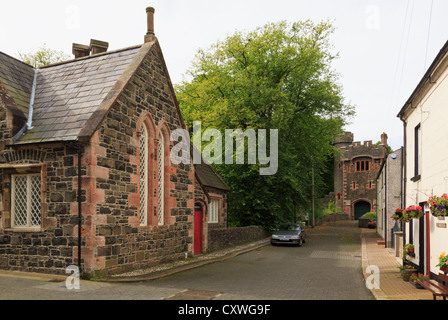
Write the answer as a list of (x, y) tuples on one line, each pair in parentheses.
[(68, 94), (208, 177), (72, 97), (17, 78)]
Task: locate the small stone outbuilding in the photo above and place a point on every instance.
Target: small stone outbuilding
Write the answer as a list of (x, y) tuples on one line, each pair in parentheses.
[(85, 171)]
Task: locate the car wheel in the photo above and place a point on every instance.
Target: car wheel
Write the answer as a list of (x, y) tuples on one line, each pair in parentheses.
[(300, 243)]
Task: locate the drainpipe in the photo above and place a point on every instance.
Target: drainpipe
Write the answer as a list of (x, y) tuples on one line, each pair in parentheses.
[(79, 209), (404, 176), (33, 94), (385, 202), (79, 199), (28, 125)]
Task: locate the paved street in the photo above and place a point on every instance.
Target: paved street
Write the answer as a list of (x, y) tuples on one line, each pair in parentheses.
[(326, 267)]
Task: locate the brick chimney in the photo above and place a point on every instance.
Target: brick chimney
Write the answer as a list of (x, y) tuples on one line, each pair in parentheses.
[(150, 35), (80, 50), (97, 46)]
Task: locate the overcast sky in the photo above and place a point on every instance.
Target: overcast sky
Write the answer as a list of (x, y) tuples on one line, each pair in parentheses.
[(385, 46)]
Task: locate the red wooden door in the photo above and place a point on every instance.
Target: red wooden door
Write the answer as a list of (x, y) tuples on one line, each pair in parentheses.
[(197, 231)]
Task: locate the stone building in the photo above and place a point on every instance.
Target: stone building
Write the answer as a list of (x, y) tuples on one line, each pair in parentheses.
[(355, 171), (85, 171)]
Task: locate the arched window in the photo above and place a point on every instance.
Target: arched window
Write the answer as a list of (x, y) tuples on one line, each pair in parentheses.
[(144, 149), (161, 180)]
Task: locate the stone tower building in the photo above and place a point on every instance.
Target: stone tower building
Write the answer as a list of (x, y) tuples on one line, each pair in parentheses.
[(356, 168)]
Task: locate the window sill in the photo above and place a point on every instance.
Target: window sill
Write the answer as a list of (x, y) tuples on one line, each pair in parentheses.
[(416, 178), (27, 230)]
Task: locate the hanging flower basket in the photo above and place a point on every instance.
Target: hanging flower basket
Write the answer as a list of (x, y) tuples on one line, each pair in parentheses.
[(414, 212), (398, 215), (439, 205), (401, 215), (406, 217)]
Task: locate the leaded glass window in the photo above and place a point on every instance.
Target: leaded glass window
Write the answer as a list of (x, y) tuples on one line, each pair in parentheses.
[(144, 176), (213, 211), (161, 181), (26, 204)]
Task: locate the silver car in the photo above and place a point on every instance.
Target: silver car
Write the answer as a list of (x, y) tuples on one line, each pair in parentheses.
[(289, 233)]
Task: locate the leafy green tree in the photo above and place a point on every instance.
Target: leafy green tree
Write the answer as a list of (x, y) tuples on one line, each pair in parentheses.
[(43, 56), (275, 77)]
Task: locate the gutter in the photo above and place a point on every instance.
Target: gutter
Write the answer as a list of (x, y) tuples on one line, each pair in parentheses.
[(404, 174), (79, 209), (79, 199), (28, 125)]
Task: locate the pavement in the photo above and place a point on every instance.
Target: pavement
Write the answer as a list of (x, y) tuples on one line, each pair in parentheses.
[(375, 257), (391, 285)]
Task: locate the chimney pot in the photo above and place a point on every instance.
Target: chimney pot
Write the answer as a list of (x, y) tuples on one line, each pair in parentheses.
[(150, 21)]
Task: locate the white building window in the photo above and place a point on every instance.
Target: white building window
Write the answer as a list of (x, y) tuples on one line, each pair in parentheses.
[(26, 204), (417, 153), (144, 176), (161, 181), (213, 211)]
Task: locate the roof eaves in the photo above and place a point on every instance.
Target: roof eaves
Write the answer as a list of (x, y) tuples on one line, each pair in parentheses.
[(425, 80)]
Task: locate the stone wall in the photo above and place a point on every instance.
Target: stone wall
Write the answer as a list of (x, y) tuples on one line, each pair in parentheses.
[(332, 217), (224, 238), (51, 248)]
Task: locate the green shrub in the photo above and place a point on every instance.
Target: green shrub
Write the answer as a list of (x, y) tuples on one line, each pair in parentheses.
[(332, 208), (369, 216)]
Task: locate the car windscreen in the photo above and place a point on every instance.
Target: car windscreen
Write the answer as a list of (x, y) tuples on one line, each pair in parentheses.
[(288, 227)]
